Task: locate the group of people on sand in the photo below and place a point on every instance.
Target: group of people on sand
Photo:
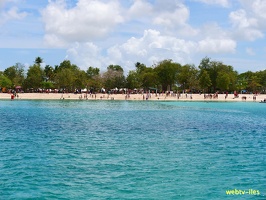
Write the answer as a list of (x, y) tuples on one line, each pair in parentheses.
[(14, 95), (212, 96)]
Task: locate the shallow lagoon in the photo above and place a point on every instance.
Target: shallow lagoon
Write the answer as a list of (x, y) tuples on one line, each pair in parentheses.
[(132, 150)]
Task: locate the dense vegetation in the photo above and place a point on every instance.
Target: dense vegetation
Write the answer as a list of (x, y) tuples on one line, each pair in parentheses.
[(209, 76)]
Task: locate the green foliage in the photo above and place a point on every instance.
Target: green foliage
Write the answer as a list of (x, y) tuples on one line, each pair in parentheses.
[(69, 77), (223, 81), (94, 80), (149, 78), (205, 64), (262, 80), (133, 80), (193, 79), (5, 82), (49, 73), (95, 84), (15, 74), (218, 72), (210, 75), (35, 76), (47, 85), (114, 77), (252, 81), (140, 67), (204, 80), (64, 79), (115, 68), (93, 72), (81, 79), (166, 72), (188, 77), (38, 61), (66, 64)]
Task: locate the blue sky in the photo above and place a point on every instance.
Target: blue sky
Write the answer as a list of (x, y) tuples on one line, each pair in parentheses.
[(102, 32)]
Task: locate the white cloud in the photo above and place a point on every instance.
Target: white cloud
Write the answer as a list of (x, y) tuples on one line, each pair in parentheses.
[(178, 17), (114, 53), (239, 19), (12, 14), (224, 3), (156, 47), (170, 16), (152, 47), (212, 30), (259, 7), (245, 27), (54, 41), (164, 40), (88, 20), (209, 45), (173, 19), (140, 8), (214, 40), (102, 32), (255, 7), (85, 55)]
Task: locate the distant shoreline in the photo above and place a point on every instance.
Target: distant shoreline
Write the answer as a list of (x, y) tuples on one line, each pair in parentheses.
[(132, 97)]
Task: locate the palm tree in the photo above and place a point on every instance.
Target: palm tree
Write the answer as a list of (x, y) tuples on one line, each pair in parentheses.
[(38, 60)]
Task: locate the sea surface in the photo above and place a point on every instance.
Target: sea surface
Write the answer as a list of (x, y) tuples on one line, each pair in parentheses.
[(132, 150)]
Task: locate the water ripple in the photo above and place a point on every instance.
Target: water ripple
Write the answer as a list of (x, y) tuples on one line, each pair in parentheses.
[(130, 150)]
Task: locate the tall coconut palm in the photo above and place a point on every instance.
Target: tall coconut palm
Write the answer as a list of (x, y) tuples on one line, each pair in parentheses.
[(38, 61)]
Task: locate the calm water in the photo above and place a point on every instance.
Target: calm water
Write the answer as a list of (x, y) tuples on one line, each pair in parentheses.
[(131, 150)]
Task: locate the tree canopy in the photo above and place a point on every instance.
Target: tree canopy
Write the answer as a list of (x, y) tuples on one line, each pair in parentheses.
[(209, 76)]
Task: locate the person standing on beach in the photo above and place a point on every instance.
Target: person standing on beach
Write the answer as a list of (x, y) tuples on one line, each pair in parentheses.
[(226, 95)]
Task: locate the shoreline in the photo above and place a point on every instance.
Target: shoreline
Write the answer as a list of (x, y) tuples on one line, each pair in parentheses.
[(132, 97)]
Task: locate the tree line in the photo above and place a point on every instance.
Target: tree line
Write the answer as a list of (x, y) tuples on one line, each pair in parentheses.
[(210, 76)]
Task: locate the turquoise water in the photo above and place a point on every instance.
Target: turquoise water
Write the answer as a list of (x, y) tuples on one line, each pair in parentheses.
[(131, 150)]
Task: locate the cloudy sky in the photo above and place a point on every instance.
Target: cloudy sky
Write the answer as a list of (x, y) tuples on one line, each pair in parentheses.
[(102, 32)]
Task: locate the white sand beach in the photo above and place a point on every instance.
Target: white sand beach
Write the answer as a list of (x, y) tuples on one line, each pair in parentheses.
[(162, 97)]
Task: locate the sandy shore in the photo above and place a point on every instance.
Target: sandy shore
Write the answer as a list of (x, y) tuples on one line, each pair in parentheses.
[(71, 96)]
